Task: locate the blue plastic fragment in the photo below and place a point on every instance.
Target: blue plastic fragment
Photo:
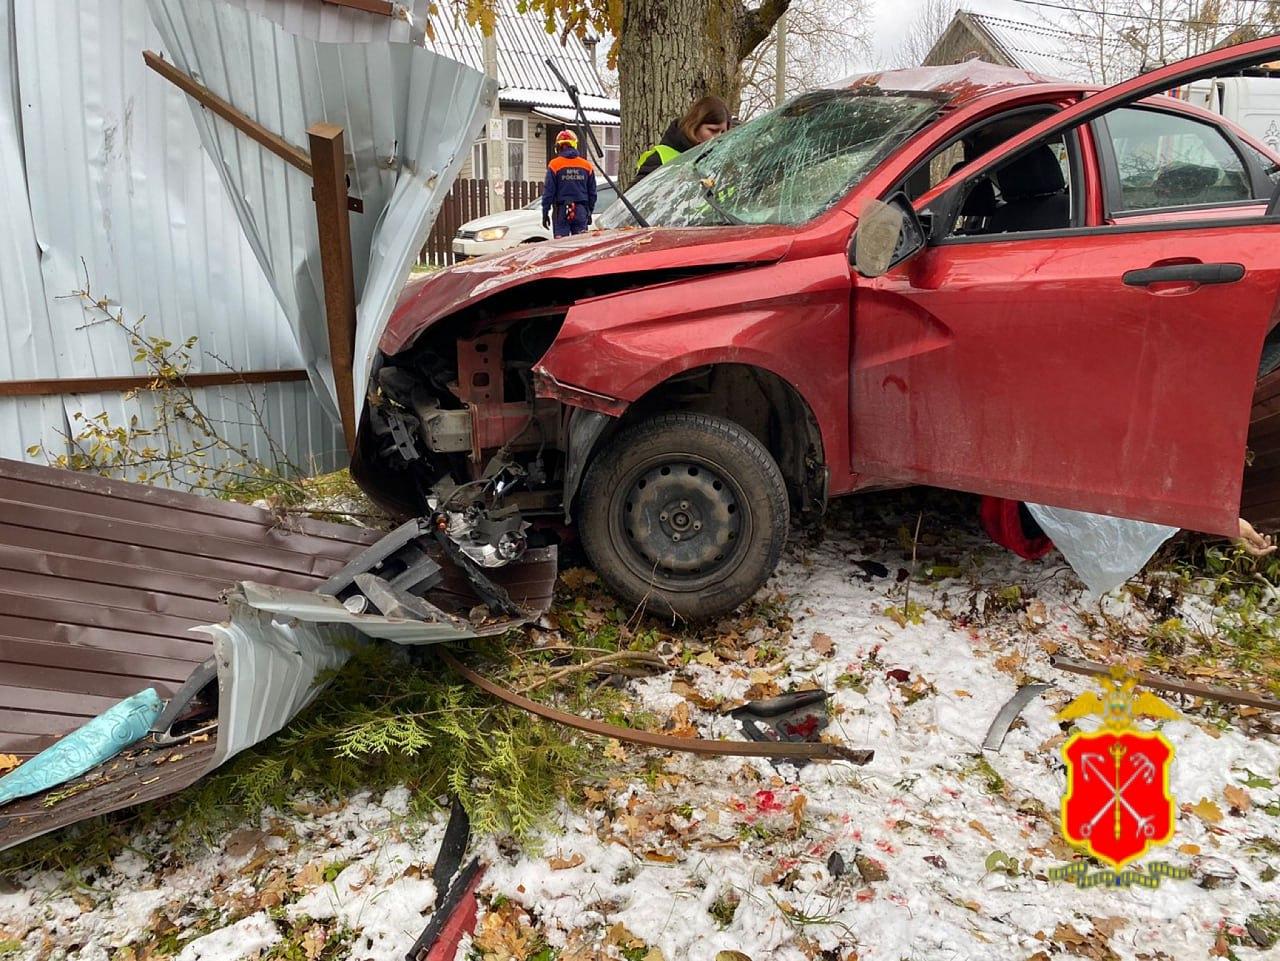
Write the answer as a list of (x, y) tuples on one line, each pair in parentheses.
[(99, 740)]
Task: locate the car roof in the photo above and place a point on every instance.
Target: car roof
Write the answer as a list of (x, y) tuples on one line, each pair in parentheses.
[(962, 83), (958, 82)]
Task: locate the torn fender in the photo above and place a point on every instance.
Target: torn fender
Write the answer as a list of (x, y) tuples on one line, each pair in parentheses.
[(789, 318)]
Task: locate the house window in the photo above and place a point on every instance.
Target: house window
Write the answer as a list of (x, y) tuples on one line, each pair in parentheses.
[(480, 158), (612, 149), (515, 149)]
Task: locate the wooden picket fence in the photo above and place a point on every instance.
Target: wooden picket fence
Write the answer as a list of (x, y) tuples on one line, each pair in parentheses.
[(468, 200)]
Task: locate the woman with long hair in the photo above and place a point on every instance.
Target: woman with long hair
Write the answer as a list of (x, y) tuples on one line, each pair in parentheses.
[(707, 117)]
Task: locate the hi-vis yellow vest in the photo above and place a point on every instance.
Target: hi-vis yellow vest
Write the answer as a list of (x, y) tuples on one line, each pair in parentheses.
[(667, 154)]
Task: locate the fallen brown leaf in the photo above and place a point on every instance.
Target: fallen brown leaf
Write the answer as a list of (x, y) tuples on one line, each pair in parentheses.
[(1238, 798), (824, 645), (796, 807), (1066, 934), (679, 724), (8, 762), (309, 877), (1109, 926), (1010, 663), (561, 864), (981, 829), (1206, 811)]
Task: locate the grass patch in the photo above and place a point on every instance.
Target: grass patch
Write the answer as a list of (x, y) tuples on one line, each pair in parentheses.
[(990, 777)]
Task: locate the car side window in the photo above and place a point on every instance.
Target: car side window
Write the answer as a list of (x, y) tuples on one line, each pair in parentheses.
[(1165, 160), (1028, 193)]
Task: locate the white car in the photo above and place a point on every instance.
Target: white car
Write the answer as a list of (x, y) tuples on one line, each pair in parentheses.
[(494, 232)]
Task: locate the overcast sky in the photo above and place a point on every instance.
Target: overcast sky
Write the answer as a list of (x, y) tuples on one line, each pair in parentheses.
[(891, 19)]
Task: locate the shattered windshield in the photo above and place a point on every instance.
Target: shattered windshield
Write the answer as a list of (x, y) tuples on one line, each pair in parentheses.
[(783, 168)]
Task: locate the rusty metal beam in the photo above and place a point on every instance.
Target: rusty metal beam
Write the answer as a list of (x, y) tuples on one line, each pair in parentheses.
[(329, 165), (1226, 695), (94, 385), (384, 8), (286, 151)]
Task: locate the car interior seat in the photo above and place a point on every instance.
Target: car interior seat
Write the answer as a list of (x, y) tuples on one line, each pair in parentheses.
[(979, 203), (1034, 193)]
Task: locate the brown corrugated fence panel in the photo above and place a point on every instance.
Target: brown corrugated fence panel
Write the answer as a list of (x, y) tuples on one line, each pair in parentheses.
[(101, 582)]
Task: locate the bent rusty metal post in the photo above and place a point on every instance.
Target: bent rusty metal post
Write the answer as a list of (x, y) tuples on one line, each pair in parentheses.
[(1224, 694), (384, 8), (202, 95), (329, 165), (326, 166)]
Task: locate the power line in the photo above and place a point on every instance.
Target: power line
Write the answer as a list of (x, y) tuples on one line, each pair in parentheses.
[(1134, 16)]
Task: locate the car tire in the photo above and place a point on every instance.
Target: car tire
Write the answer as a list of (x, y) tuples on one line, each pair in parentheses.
[(684, 514)]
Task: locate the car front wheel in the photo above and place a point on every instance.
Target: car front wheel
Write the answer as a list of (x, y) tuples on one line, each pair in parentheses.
[(685, 514)]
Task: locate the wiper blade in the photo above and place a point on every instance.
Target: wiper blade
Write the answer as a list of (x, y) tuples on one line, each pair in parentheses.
[(709, 193), (572, 91), (708, 184)]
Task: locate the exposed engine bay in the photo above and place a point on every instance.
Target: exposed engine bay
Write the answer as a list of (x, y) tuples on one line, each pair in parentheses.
[(481, 455)]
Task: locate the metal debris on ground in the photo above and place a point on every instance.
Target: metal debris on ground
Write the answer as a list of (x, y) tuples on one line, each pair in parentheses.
[(806, 750), (798, 717), (1226, 695), (1009, 713), (133, 579)]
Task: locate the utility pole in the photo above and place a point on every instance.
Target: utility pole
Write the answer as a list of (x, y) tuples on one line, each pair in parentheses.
[(495, 150), (780, 62)]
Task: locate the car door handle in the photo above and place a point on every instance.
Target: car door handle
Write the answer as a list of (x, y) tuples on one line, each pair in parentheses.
[(1184, 274)]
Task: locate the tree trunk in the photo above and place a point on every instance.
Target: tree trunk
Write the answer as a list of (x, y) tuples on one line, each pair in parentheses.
[(671, 52)]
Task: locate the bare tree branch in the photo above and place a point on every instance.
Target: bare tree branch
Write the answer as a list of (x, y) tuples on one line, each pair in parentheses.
[(759, 24)]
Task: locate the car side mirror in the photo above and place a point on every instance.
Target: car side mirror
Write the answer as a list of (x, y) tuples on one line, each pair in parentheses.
[(889, 232)]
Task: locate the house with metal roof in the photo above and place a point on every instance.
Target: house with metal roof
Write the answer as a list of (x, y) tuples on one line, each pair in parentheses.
[(534, 107), (1011, 43)]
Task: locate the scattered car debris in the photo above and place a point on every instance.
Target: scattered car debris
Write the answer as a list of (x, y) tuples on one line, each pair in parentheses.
[(1009, 713), (215, 605), (820, 751), (455, 910), (454, 918), (800, 716)]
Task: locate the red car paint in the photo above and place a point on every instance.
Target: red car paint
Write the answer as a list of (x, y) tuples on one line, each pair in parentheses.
[(1018, 366)]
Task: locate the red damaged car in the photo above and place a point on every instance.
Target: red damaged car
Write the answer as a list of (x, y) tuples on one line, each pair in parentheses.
[(971, 277)]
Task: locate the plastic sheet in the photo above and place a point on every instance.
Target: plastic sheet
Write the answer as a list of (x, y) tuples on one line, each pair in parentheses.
[(1104, 551), (99, 740)]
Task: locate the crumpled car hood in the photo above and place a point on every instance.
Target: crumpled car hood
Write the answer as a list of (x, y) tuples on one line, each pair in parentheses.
[(627, 250)]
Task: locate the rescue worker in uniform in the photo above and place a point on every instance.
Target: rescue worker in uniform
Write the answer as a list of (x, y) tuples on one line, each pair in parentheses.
[(708, 117), (569, 193)]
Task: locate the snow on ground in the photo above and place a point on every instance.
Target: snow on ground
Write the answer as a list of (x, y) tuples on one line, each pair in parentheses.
[(934, 850)]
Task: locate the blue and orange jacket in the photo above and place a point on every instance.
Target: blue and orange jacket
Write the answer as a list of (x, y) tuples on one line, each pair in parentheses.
[(570, 180)]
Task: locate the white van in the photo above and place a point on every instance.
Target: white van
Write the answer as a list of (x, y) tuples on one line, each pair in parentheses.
[(1250, 102)]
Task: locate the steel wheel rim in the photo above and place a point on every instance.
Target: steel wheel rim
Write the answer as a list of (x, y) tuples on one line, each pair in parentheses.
[(680, 522)]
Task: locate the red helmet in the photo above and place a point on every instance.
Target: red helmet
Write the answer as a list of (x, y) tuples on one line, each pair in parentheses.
[(567, 137)]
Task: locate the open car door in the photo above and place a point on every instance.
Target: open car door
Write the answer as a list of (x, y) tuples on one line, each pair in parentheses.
[(1100, 368)]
